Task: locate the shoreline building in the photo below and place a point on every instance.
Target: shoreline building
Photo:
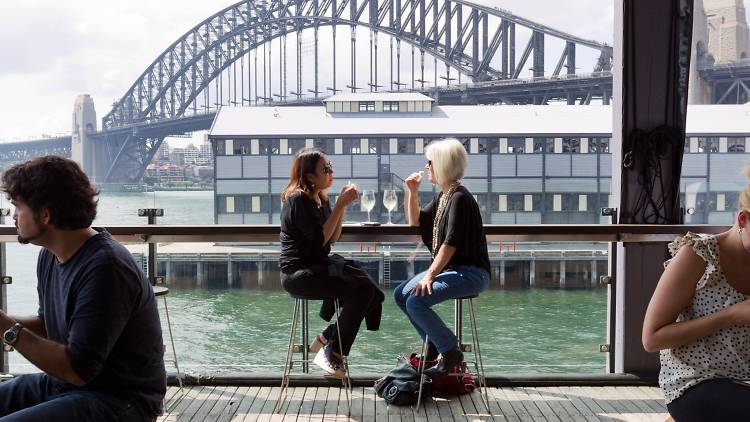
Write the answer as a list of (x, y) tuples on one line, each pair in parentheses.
[(527, 164)]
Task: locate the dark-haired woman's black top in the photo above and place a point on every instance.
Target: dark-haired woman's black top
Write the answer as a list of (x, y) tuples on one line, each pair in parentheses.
[(461, 227), (302, 233)]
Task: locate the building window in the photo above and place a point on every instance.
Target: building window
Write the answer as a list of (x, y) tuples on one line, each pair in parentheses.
[(390, 105), (556, 202), (528, 202), (571, 145), (583, 203), (502, 203), (269, 146), (367, 106), (600, 145), (406, 146), (736, 145), (721, 202), (516, 145), (230, 204)]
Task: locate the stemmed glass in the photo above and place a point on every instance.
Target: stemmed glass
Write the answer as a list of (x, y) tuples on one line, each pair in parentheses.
[(390, 200), (368, 202)]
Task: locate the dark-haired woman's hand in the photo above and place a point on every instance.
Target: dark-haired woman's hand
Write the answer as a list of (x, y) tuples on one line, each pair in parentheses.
[(348, 194)]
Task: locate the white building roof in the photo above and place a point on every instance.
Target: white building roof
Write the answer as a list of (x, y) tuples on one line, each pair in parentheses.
[(466, 120), (380, 96)]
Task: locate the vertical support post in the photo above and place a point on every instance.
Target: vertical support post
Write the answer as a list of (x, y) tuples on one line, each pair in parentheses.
[(4, 281), (151, 214)]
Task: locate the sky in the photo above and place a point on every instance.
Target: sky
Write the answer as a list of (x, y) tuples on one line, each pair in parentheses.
[(52, 51)]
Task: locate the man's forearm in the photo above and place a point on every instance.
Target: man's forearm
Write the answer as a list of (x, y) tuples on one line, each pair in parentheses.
[(47, 355)]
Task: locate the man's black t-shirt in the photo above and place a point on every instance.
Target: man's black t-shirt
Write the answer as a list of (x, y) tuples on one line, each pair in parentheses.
[(461, 227), (100, 305)]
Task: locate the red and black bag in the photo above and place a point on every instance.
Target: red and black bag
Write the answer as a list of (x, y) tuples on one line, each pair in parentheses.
[(458, 381)]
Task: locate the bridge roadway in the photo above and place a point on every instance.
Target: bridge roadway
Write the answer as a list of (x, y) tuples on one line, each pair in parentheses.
[(579, 89)]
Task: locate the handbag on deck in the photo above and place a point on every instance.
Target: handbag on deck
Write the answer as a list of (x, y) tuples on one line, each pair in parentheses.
[(401, 386), (458, 381)]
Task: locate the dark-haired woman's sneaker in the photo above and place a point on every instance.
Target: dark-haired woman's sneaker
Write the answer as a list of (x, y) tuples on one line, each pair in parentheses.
[(328, 362), (446, 362), (318, 343)]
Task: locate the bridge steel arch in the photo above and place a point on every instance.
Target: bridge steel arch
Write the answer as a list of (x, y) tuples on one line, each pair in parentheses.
[(475, 40)]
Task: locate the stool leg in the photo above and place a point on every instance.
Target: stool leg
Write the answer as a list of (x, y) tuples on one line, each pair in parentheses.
[(288, 363), (420, 371), (347, 382), (478, 357), (171, 340)]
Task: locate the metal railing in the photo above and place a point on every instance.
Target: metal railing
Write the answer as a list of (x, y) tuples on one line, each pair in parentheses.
[(153, 234)]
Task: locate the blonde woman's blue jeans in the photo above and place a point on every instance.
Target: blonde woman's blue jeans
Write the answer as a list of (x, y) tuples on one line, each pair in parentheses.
[(461, 281)]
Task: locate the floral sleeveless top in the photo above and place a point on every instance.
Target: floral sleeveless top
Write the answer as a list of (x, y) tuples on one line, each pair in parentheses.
[(723, 354)]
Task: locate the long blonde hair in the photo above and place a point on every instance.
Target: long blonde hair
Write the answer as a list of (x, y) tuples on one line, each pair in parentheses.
[(745, 192)]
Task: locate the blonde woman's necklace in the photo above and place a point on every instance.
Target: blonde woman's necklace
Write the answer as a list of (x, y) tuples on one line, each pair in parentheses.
[(442, 204)]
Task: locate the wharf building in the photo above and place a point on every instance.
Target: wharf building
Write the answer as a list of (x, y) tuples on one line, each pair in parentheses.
[(527, 165)]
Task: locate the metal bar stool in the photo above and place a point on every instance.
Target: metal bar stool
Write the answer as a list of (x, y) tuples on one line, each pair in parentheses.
[(300, 315), (473, 348), (161, 290)]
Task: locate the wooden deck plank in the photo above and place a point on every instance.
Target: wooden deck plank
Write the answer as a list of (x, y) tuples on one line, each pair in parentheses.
[(318, 410), (577, 411), (239, 398), (294, 404), (180, 404), (305, 408), (381, 409), (602, 413), (542, 404), (211, 413), (534, 412), (519, 404), (194, 405), (553, 402), (253, 411)]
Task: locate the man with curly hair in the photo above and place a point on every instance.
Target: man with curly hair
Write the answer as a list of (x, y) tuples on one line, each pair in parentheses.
[(97, 336)]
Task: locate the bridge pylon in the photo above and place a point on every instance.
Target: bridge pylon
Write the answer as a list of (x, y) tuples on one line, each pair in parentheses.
[(83, 148)]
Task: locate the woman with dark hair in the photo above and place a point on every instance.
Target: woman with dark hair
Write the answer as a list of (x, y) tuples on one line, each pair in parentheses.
[(451, 228), (308, 229)]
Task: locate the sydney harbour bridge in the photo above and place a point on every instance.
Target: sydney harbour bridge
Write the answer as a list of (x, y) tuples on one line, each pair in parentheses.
[(296, 52)]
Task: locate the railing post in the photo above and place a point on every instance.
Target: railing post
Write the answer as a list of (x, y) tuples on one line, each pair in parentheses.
[(4, 281), (609, 280), (151, 214)]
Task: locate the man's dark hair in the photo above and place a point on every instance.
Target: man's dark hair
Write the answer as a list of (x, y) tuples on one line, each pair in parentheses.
[(57, 184)]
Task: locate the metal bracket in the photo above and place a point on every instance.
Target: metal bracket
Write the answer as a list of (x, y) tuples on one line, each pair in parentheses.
[(465, 347), (159, 279), (297, 348), (609, 212), (606, 280), (8, 347), (6, 279), (604, 348)]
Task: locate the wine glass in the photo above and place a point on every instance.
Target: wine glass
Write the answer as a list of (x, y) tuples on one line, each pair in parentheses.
[(390, 201), (368, 201)]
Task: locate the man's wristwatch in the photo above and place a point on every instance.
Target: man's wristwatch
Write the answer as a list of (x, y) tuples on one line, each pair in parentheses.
[(10, 336)]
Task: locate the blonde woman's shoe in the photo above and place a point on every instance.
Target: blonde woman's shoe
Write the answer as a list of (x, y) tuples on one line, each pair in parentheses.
[(318, 343)]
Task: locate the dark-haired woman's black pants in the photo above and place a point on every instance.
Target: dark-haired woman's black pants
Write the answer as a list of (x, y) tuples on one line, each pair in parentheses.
[(353, 288)]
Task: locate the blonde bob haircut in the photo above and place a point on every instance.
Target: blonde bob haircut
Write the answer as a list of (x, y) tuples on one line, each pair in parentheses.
[(448, 158)]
